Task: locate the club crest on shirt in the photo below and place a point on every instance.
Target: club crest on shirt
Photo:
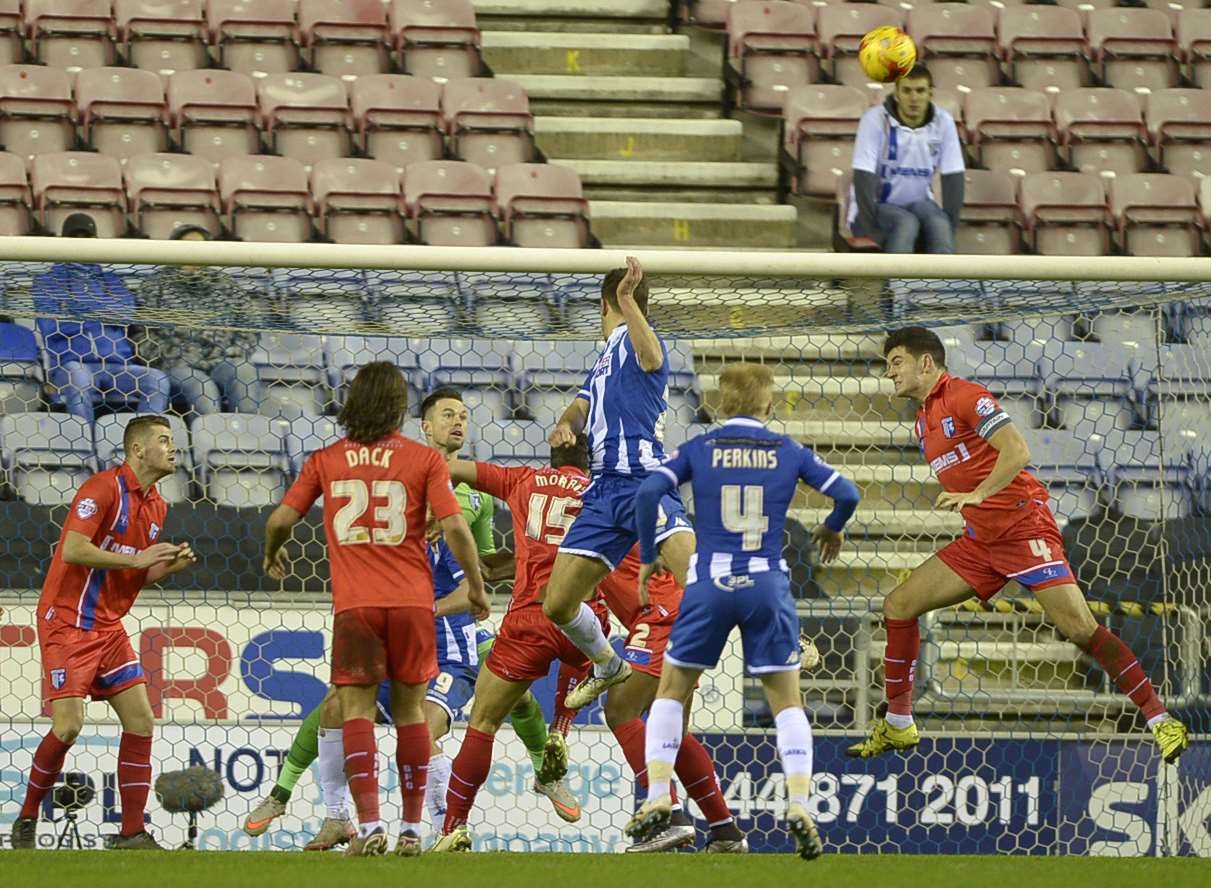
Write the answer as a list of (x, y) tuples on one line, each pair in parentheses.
[(86, 508), (153, 531), (948, 426), (986, 406), (58, 678), (475, 501)]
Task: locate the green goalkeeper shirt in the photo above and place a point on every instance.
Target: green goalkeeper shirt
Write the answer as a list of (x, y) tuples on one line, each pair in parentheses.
[(477, 509)]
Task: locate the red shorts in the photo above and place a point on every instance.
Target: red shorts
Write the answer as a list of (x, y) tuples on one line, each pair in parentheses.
[(649, 636), (373, 644), (1032, 554), (527, 643), (86, 663)]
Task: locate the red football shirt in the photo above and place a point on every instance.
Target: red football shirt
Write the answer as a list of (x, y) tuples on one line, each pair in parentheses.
[(544, 503), (376, 498), (621, 592), (953, 428), (117, 515)]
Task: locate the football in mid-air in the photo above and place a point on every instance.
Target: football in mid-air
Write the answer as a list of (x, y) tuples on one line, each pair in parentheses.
[(887, 54)]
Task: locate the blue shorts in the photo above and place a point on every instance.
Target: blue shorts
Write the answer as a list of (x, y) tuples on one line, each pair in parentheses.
[(605, 527), (453, 687), (760, 604)]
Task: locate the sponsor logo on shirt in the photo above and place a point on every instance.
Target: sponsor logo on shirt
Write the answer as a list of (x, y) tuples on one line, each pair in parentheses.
[(986, 406), (58, 678), (734, 584), (475, 501), (604, 362), (948, 427), (153, 531), (86, 508)]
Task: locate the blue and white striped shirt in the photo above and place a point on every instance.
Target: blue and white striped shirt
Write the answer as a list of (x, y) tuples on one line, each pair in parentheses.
[(455, 634), (626, 410)]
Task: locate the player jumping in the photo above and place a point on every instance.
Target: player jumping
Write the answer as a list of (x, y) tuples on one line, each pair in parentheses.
[(744, 478), (107, 553), (621, 407), (979, 457), (377, 487)]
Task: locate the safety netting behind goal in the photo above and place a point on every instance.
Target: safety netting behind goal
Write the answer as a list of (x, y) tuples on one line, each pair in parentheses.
[(1027, 746)]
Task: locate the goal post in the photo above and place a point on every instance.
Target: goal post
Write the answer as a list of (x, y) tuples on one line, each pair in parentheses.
[(1103, 363)]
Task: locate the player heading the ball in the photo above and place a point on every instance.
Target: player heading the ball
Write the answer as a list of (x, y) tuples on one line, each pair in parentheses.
[(743, 477), (979, 457), (377, 487), (621, 407)]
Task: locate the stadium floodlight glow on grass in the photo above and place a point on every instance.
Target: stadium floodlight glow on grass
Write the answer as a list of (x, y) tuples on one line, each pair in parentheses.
[(1103, 362)]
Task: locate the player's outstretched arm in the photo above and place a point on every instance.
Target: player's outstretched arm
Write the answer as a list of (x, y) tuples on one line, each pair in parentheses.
[(500, 565), (570, 424), (462, 471), (277, 532), (1013, 455), (457, 602), (647, 512), (462, 544), (643, 338), (830, 535)]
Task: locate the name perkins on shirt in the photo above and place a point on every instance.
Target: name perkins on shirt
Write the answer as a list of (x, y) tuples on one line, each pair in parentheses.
[(366, 456), (743, 458)]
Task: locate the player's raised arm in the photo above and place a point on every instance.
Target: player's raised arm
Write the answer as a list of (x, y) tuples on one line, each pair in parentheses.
[(830, 535), (462, 471), (633, 304), (663, 480), (993, 424), (572, 422)]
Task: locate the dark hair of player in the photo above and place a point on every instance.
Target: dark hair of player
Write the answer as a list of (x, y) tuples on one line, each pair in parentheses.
[(376, 405), (919, 72), (609, 290), (436, 395), (572, 454), (916, 341), (140, 426)]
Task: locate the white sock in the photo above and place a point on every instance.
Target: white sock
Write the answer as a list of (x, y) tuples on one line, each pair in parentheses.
[(333, 786), (897, 721), (661, 742), (364, 829), (795, 750), (584, 631), (414, 828), (435, 791)]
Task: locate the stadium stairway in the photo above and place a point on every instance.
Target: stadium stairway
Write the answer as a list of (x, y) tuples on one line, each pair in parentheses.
[(635, 111)]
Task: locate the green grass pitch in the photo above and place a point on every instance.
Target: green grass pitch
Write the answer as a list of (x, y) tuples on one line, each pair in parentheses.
[(100, 869)]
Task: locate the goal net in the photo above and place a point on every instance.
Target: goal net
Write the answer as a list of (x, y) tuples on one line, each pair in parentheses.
[(1027, 746)]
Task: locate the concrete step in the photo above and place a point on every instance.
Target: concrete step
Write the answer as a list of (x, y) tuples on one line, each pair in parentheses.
[(552, 94), (612, 16), (834, 433), (816, 347), (891, 522), (674, 224), (678, 181), (510, 53), (574, 139)]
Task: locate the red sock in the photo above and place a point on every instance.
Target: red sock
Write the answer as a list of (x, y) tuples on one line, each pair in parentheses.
[(697, 774), (569, 677), (134, 780), (1122, 666), (48, 762), (900, 664), (631, 737), (412, 758), (361, 768), (467, 774)]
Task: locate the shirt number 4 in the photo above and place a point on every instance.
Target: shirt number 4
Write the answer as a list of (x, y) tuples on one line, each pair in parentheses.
[(742, 510)]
